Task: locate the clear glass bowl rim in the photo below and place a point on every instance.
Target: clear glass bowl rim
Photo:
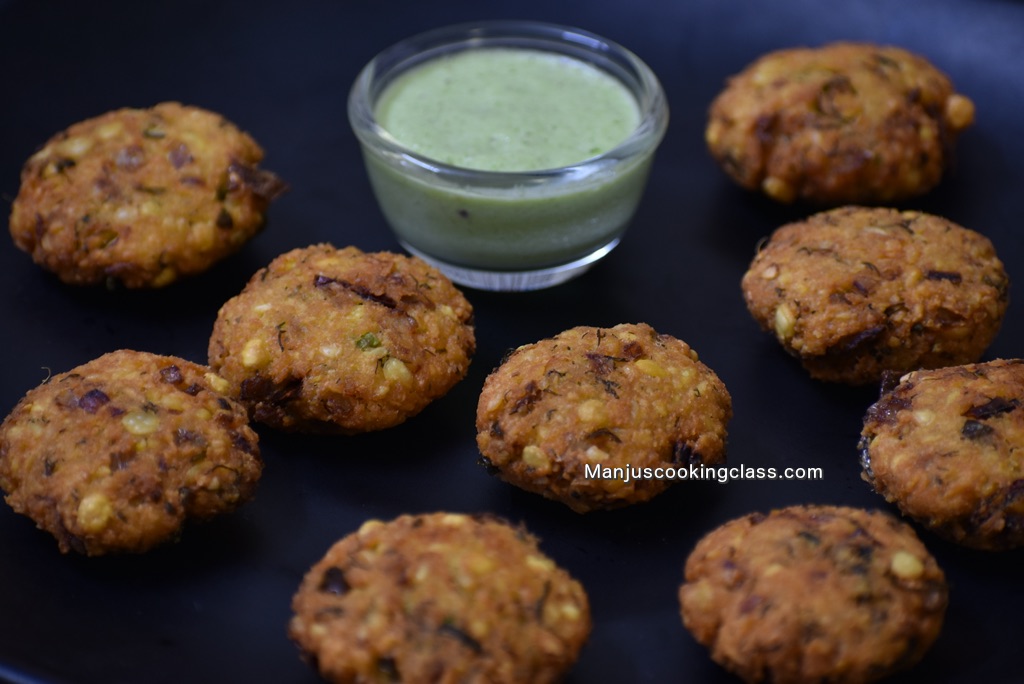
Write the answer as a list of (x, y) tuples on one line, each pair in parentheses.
[(580, 43)]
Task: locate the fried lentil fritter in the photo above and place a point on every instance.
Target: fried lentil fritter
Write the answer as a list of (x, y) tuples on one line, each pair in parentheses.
[(339, 340), (813, 594), (947, 447), (117, 454), (439, 597), (141, 197), (843, 123), (589, 399), (855, 292)]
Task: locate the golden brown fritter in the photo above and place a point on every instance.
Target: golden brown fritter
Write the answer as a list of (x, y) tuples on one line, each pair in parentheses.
[(855, 292), (577, 416), (439, 597), (339, 340), (141, 197), (947, 447), (118, 453), (844, 123), (813, 594)]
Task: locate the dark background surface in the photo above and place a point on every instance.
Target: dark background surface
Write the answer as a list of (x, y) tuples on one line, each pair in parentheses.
[(214, 607)]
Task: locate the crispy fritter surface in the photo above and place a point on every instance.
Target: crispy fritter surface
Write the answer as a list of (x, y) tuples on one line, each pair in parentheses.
[(595, 398), (117, 454), (141, 197), (947, 447), (813, 594), (439, 597), (855, 292), (339, 340), (843, 123)]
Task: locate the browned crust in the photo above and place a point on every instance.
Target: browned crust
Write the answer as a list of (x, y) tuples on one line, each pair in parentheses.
[(813, 594), (855, 292), (836, 124), (591, 397), (339, 340), (439, 597), (141, 197), (945, 446), (117, 454)]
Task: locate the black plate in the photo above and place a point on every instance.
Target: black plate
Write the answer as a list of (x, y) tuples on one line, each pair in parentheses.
[(214, 607)]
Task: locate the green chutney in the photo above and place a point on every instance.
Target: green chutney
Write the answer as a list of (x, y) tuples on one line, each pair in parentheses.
[(506, 117), (504, 109)]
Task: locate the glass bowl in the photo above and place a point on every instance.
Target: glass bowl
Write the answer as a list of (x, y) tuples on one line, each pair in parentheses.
[(508, 230)]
